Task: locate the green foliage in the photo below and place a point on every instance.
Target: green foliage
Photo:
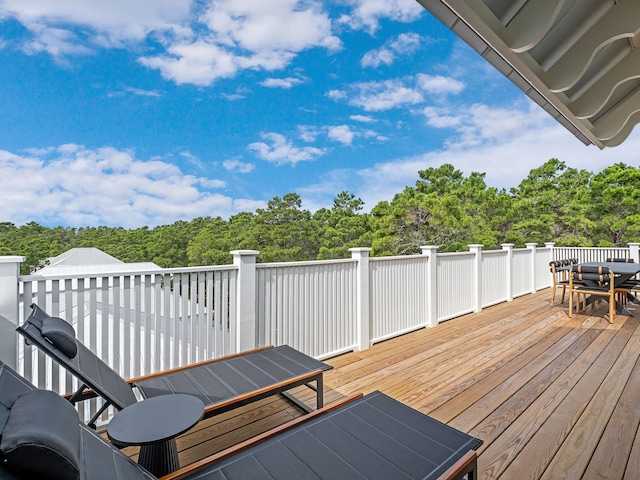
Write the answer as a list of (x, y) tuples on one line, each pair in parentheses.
[(552, 203), (445, 208)]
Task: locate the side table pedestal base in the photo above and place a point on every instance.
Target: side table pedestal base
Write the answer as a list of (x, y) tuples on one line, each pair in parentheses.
[(160, 458)]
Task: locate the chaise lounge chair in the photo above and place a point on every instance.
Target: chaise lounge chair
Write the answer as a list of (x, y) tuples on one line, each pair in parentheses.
[(371, 437), (222, 384)]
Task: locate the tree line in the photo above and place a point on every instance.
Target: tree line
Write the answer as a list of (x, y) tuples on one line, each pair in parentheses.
[(445, 208)]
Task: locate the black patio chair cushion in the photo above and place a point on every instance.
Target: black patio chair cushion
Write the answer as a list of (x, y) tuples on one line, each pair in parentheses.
[(41, 438), (61, 335)]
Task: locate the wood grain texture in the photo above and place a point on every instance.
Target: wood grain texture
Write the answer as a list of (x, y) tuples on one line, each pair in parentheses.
[(551, 397)]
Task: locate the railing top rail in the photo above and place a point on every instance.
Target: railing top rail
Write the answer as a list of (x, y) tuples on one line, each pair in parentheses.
[(624, 249), (125, 273), (456, 254), (305, 263), (397, 257), (495, 252)]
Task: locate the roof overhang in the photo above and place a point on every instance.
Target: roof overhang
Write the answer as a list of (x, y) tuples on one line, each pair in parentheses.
[(577, 59)]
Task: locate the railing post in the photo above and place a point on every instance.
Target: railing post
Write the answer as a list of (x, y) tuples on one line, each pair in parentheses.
[(509, 269), (476, 249), (9, 308), (533, 247), (244, 334), (363, 317), (634, 252), (431, 252), (550, 246)]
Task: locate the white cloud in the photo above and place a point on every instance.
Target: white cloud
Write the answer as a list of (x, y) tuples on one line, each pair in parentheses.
[(309, 133), (72, 185), (235, 165), (341, 133), (438, 84), (395, 93), (140, 92), (257, 26), (209, 183), (478, 124), (285, 83), (441, 117), (506, 144), (109, 23), (198, 63), (367, 14), (375, 58), (378, 96), (280, 151), (337, 94), (403, 44), (246, 35), (362, 118), (57, 42), (202, 43)]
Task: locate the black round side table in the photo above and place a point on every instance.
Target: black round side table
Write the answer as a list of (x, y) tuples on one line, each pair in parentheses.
[(154, 424)]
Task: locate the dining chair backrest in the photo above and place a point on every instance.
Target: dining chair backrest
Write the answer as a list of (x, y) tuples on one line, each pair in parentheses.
[(620, 260), (592, 273)]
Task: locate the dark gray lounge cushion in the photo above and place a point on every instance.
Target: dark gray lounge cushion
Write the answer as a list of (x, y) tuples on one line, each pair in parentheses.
[(41, 438), (61, 335)]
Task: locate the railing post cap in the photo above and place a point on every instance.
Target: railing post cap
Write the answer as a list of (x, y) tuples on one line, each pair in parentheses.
[(360, 252), (549, 244), (429, 248), (12, 259), (507, 245), (531, 244), (634, 244), (475, 246), (244, 252)]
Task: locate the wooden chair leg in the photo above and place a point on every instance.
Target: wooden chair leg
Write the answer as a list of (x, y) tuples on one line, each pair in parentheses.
[(570, 302), (612, 308)]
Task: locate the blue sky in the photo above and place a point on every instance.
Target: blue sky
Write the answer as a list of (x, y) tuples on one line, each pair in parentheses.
[(132, 113)]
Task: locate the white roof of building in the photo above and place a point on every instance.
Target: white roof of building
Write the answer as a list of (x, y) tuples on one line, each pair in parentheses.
[(92, 261)]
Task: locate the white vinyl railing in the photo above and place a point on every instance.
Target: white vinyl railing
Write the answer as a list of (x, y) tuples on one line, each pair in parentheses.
[(137, 323), (398, 297), (143, 322), (523, 278), (584, 254), (307, 305), (456, 293), (495, 277)]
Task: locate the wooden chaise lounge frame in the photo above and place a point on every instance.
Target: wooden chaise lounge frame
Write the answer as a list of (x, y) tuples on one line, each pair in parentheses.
[(406, 444), (222, 384)]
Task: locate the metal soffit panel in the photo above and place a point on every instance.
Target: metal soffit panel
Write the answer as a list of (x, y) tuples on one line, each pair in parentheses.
[(577, 59)]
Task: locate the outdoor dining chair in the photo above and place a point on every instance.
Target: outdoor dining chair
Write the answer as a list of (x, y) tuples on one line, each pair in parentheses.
[(559, 280), (560, 277), (589, 282), (631, 285)]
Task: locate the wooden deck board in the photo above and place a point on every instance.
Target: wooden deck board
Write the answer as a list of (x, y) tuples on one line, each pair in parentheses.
[(550, 396), (613, 451)]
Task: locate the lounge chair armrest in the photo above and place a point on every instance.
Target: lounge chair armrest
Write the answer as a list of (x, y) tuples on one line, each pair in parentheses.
[(462, 467)]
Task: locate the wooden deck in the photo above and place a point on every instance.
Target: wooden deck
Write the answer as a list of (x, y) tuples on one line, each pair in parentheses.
[(551, 397)]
